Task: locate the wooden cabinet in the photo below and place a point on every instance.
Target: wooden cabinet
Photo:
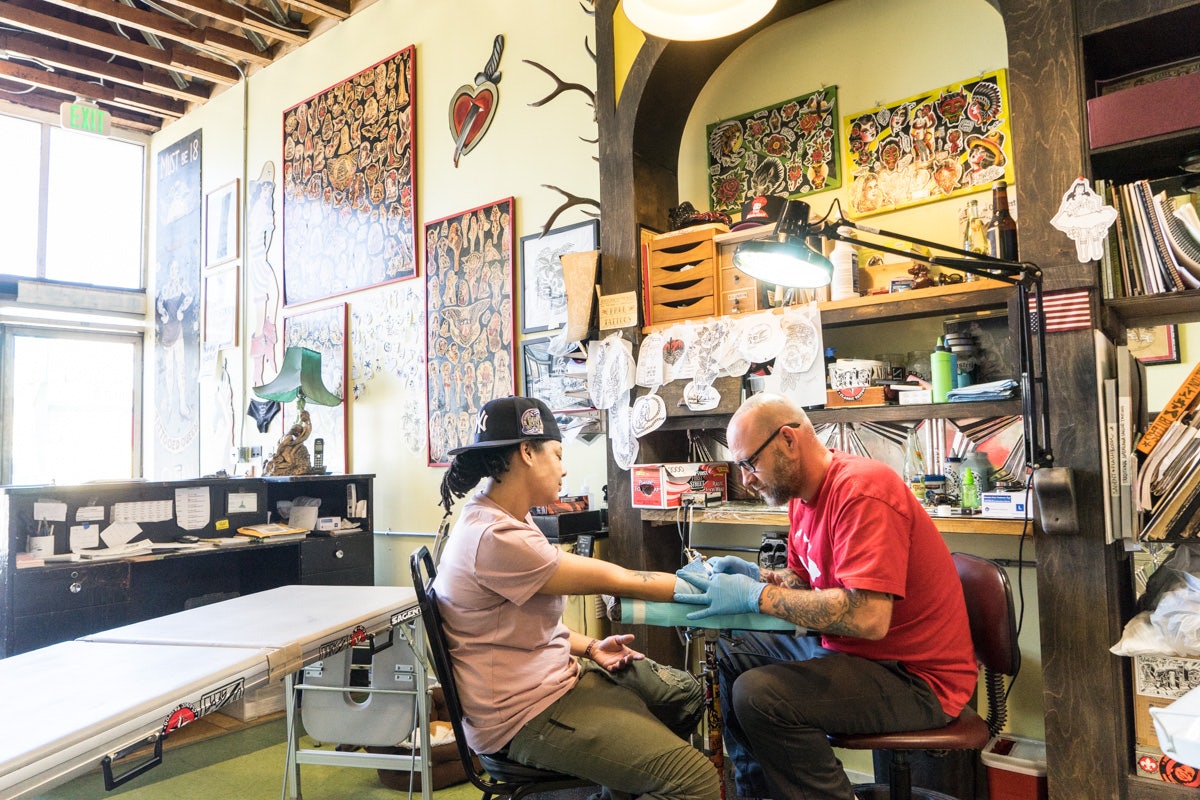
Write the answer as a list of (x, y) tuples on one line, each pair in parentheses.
[(681, 274), (42, 605)]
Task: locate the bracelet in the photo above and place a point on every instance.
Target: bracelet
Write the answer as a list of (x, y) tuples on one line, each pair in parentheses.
[(587, 652)]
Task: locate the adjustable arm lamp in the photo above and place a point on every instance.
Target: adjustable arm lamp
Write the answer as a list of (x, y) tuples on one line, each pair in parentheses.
[(787, 260)]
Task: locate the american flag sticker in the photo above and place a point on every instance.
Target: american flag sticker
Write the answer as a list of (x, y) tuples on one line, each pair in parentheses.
[(1068, 310)]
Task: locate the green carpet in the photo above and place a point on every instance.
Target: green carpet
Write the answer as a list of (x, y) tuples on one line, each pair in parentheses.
[(243, 765)]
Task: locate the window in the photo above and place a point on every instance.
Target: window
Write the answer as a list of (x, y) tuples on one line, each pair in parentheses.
[(72, 303), (71, 205)]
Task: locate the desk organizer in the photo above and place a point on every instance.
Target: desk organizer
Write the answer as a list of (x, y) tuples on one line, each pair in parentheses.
[(680, 274)]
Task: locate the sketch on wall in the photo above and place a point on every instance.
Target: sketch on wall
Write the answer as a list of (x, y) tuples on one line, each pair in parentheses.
[(177, 310), (262, 279), (386, 329), (348, 184), (323, 330), (945, 142), (469, 319)]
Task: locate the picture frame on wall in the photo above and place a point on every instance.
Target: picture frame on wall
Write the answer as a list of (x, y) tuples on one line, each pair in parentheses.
[(469, 317), (1154, 345), (543, 287), (222, 224), (220, 307), (558, 381), (349, 184)]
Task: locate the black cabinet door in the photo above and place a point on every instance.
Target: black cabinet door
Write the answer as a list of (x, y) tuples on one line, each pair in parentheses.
[(345, 559), (71, 587)]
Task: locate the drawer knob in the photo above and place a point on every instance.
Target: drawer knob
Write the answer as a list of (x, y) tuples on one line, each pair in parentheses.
[(339, 553), (76, 587)]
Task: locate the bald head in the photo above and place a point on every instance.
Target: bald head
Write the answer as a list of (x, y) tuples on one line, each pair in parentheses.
[(763, 413)]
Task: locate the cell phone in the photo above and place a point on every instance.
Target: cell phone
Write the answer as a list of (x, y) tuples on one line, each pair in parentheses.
[(318, 454)]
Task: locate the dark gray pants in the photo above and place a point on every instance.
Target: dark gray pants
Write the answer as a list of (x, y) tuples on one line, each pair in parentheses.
[(781, 694), (625, 730)]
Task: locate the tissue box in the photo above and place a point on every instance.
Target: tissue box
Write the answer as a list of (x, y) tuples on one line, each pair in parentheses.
[(662, 485), (1005, 505)]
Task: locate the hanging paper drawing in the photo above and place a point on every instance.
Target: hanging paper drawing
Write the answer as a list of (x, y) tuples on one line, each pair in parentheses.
[(938, 144), (786, 149)]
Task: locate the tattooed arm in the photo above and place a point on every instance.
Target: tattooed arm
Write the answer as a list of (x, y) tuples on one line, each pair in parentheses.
[(840, 612), (580, 575)]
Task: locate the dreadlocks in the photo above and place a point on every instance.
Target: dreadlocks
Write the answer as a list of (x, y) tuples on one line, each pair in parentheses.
[(468, 468)]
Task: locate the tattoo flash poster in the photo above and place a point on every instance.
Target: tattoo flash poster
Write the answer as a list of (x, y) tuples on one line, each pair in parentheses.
[(788, 149), (323, 330), (469, 319), (348, 188), (945, 142)]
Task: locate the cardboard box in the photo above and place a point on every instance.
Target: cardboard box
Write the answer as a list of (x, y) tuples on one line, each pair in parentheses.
[(1158, 681), (662, 485), (1005, 505), (1016, 768), (1152, 109)]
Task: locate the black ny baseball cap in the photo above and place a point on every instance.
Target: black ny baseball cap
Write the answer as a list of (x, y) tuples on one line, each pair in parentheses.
[(511, 420)]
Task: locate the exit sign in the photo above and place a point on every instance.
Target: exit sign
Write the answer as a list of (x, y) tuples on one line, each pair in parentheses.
[(86, 118)]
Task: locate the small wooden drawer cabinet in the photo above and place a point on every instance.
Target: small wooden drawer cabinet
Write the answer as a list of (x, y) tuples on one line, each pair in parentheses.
[(681, 280)]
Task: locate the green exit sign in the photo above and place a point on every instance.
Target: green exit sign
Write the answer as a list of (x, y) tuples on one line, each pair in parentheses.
[(86, 118)]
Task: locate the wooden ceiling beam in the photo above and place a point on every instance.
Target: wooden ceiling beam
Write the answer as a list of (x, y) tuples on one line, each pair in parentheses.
[(338, 9), (121, 117), (33, 15), (33, 46), (252, 19), (228, 44)]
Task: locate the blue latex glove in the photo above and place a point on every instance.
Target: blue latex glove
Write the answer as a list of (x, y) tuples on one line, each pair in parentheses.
[(695, 567), (732, 565), (723, 594)]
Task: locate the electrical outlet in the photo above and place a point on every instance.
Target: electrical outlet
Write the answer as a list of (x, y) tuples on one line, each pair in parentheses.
[(256, 452)]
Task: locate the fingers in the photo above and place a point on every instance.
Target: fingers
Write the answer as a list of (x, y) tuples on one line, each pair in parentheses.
[(694, 599), (699, 581)]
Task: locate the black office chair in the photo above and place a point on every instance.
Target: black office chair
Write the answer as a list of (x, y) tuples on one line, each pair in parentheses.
[(994, 633), (499, 777)]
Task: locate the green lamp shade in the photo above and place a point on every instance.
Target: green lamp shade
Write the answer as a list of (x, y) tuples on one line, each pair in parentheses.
[(300, 377)]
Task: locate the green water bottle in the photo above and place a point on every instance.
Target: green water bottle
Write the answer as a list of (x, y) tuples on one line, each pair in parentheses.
[(941, 370)]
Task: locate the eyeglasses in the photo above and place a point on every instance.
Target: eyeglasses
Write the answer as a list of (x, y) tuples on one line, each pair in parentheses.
[(747, 463)]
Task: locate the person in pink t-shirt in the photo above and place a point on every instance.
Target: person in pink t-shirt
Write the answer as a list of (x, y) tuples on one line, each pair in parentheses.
[(868, 570), (531, 688)]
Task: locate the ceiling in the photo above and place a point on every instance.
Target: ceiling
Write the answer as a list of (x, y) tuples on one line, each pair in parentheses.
[(148, 62)]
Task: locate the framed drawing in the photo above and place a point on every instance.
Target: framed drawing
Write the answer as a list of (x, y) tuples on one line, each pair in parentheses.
[(941, 143), (559, 381), (469, 320), (348, 184), (220, 304), (543, 289), (222, 224), (1156, 345), (323, 330), (787, 149)]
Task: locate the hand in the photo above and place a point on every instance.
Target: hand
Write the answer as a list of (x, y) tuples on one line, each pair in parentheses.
[(613, 653), (723, 594), (732, 565)]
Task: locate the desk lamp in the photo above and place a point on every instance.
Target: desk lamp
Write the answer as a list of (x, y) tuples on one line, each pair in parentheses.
[(299, 379), (787, 260)]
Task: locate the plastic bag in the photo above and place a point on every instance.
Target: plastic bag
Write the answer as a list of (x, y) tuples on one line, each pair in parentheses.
[(1177, 616), (1169, 623)]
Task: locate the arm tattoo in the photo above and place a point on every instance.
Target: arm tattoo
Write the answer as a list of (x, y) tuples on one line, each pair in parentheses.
[(646, 577), (830, 611)]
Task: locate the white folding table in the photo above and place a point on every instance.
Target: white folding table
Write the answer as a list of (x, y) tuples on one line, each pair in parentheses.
[(261, 637)]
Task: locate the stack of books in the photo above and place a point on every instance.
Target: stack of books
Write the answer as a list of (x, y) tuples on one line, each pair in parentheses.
[(1154, 246), (1168, 481)]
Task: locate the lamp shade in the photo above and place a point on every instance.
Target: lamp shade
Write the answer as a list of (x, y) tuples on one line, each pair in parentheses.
[(695, 20), (789, 263), (299, 378)]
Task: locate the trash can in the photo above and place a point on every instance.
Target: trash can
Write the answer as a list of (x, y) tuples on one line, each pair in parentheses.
[(1016, 768)]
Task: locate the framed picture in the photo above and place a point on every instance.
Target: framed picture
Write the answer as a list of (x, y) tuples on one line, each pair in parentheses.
[(1156, 345), (558, 381), (469, 317), (222, 228), (220, 307), (543, 288), (349, 167), (323, 330)]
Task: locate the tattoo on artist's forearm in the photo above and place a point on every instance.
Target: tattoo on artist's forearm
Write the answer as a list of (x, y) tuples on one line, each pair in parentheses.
[(829, 610)]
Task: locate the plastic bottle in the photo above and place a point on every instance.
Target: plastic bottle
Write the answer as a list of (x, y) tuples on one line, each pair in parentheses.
[(914, 465), (979, 465), (1002, 228), (970, 490), (844, 258), (942, 367)]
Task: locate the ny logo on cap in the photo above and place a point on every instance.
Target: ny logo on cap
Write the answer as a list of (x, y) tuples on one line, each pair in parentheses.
[(481, 423)]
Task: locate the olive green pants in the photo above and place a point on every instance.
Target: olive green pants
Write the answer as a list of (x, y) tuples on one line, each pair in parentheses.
[(626, 731)]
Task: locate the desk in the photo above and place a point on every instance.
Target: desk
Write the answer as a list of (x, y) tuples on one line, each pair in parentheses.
[(122, 687)]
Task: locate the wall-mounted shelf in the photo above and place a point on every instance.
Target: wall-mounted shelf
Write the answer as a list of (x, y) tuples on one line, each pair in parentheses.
[(757, 514), (1156, 309)]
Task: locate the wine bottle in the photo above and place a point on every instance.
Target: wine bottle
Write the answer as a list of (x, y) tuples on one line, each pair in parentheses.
[(1002, 228)]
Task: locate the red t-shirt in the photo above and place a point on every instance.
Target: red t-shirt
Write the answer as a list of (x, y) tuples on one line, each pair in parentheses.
[(866, 530)]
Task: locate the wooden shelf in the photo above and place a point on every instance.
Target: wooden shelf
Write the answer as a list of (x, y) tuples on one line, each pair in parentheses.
[(990, 408), (758, 514), (1156, 309)]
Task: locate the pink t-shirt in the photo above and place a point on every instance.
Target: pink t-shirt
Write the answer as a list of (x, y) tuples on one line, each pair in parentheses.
[(866, 530), (511, 652)]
